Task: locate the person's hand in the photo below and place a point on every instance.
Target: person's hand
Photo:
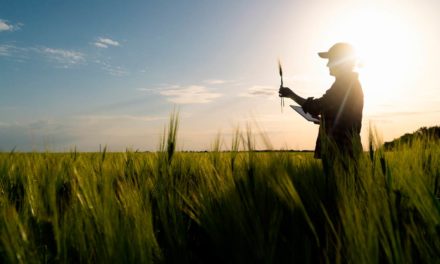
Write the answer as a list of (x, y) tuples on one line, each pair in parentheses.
[(285, 92)]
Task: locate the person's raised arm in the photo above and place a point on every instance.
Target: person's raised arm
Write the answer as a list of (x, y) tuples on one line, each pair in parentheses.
[(286, 92)]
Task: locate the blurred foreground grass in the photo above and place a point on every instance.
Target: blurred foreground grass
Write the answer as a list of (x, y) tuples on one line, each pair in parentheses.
[(219, 207)]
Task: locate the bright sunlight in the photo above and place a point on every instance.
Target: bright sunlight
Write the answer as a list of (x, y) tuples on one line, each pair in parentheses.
[(387, 48)]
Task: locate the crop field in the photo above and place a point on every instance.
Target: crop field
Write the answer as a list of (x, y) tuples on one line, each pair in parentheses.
[(239, 206)]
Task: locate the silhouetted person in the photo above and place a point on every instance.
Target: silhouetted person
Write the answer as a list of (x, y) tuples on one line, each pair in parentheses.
[(339, 109), (338, 143)]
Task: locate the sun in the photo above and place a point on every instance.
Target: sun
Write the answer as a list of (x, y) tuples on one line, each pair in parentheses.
[(387, 49)]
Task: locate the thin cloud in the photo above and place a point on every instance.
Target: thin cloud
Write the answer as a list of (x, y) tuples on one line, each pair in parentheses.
[(116, 70), (39, 134), (2, 124), (149, 90), (388, 117), (215, 81), (6, 26), (144, 70), (193, 94), (62, 56), (381, 120), (159, 88), (259, 90), (113, 70), (6, 50), (98, 118), (401, 113), (100, 45), (85, 132), (15, 53), (10, 50), (105, 43), (146, 89)]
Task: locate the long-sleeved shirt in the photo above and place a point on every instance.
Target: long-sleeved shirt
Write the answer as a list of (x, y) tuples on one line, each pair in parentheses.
[(340, 109)]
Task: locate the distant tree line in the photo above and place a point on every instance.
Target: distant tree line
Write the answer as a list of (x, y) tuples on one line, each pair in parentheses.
[(423, 133)]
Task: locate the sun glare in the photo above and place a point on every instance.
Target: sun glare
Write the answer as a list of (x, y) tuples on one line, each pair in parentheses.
[(386, 46)]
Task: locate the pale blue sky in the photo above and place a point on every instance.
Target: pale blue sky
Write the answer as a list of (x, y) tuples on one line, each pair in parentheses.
[(84, 73)]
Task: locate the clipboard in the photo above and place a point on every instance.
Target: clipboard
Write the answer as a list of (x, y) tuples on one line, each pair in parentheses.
[(306, 116)]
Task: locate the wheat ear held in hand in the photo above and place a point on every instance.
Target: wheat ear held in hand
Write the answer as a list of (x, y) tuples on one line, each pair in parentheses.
[(281, 75)]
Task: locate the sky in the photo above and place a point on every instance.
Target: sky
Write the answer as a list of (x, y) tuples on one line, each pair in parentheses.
[(89, 73)]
